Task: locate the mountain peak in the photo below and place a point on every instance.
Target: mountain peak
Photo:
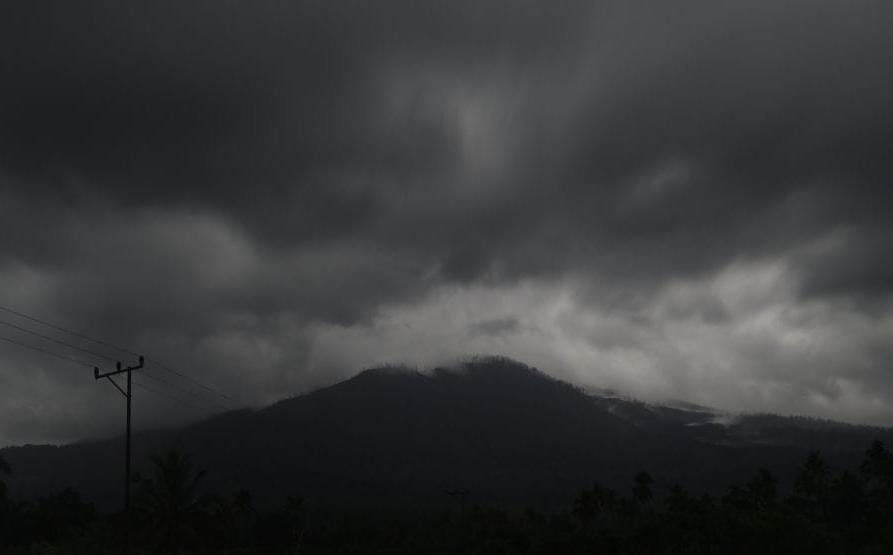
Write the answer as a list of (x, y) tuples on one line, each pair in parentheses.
[(491, 366), (386, 371), (378, 379)]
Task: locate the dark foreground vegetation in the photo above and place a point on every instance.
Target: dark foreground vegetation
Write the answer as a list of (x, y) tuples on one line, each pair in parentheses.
[(824, 511)]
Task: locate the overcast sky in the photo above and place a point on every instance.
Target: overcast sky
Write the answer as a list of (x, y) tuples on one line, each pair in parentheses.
[(676, 200)]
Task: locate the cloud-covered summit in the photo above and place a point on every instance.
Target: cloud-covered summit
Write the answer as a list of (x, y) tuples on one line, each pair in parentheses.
[(687, 200)]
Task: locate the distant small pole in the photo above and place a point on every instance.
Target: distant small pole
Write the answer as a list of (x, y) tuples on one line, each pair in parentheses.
[(459, 494), (129, 396)]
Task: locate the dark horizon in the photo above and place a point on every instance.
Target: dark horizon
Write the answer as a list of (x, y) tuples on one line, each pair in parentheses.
[(487, 419), (721, 416)]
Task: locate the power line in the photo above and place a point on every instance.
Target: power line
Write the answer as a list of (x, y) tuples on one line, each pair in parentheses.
[(186, 391), (80, 362), (170, 370), (67, 330), (167, 395), (47, 351), (58, 341), (86, 337), (137, 384)]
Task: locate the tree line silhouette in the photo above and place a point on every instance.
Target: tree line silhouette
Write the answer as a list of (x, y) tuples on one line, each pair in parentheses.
[(825, 510)]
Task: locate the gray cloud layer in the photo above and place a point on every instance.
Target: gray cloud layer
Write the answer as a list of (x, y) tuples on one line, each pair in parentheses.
[(686, 200)]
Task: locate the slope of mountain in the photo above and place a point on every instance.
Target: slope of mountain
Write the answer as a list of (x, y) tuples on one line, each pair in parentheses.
[(505, 432)]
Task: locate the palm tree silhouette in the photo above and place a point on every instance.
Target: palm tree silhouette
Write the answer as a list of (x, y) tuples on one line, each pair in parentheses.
[(4, 469), (591, 503), (169, 499), (642, 489)]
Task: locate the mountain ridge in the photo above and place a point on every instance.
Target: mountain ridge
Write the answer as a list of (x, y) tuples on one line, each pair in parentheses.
[(396, 436)]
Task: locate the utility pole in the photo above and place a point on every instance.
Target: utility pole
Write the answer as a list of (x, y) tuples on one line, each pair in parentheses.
[(459, 494), (129, 396)]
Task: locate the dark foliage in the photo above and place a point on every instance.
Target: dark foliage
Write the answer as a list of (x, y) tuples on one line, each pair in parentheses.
[(827, 511)]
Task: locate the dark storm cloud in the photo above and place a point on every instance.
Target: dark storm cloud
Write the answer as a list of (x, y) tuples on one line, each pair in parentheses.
[(240, 108), (496, 326), (216, 180), (276, 115)]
